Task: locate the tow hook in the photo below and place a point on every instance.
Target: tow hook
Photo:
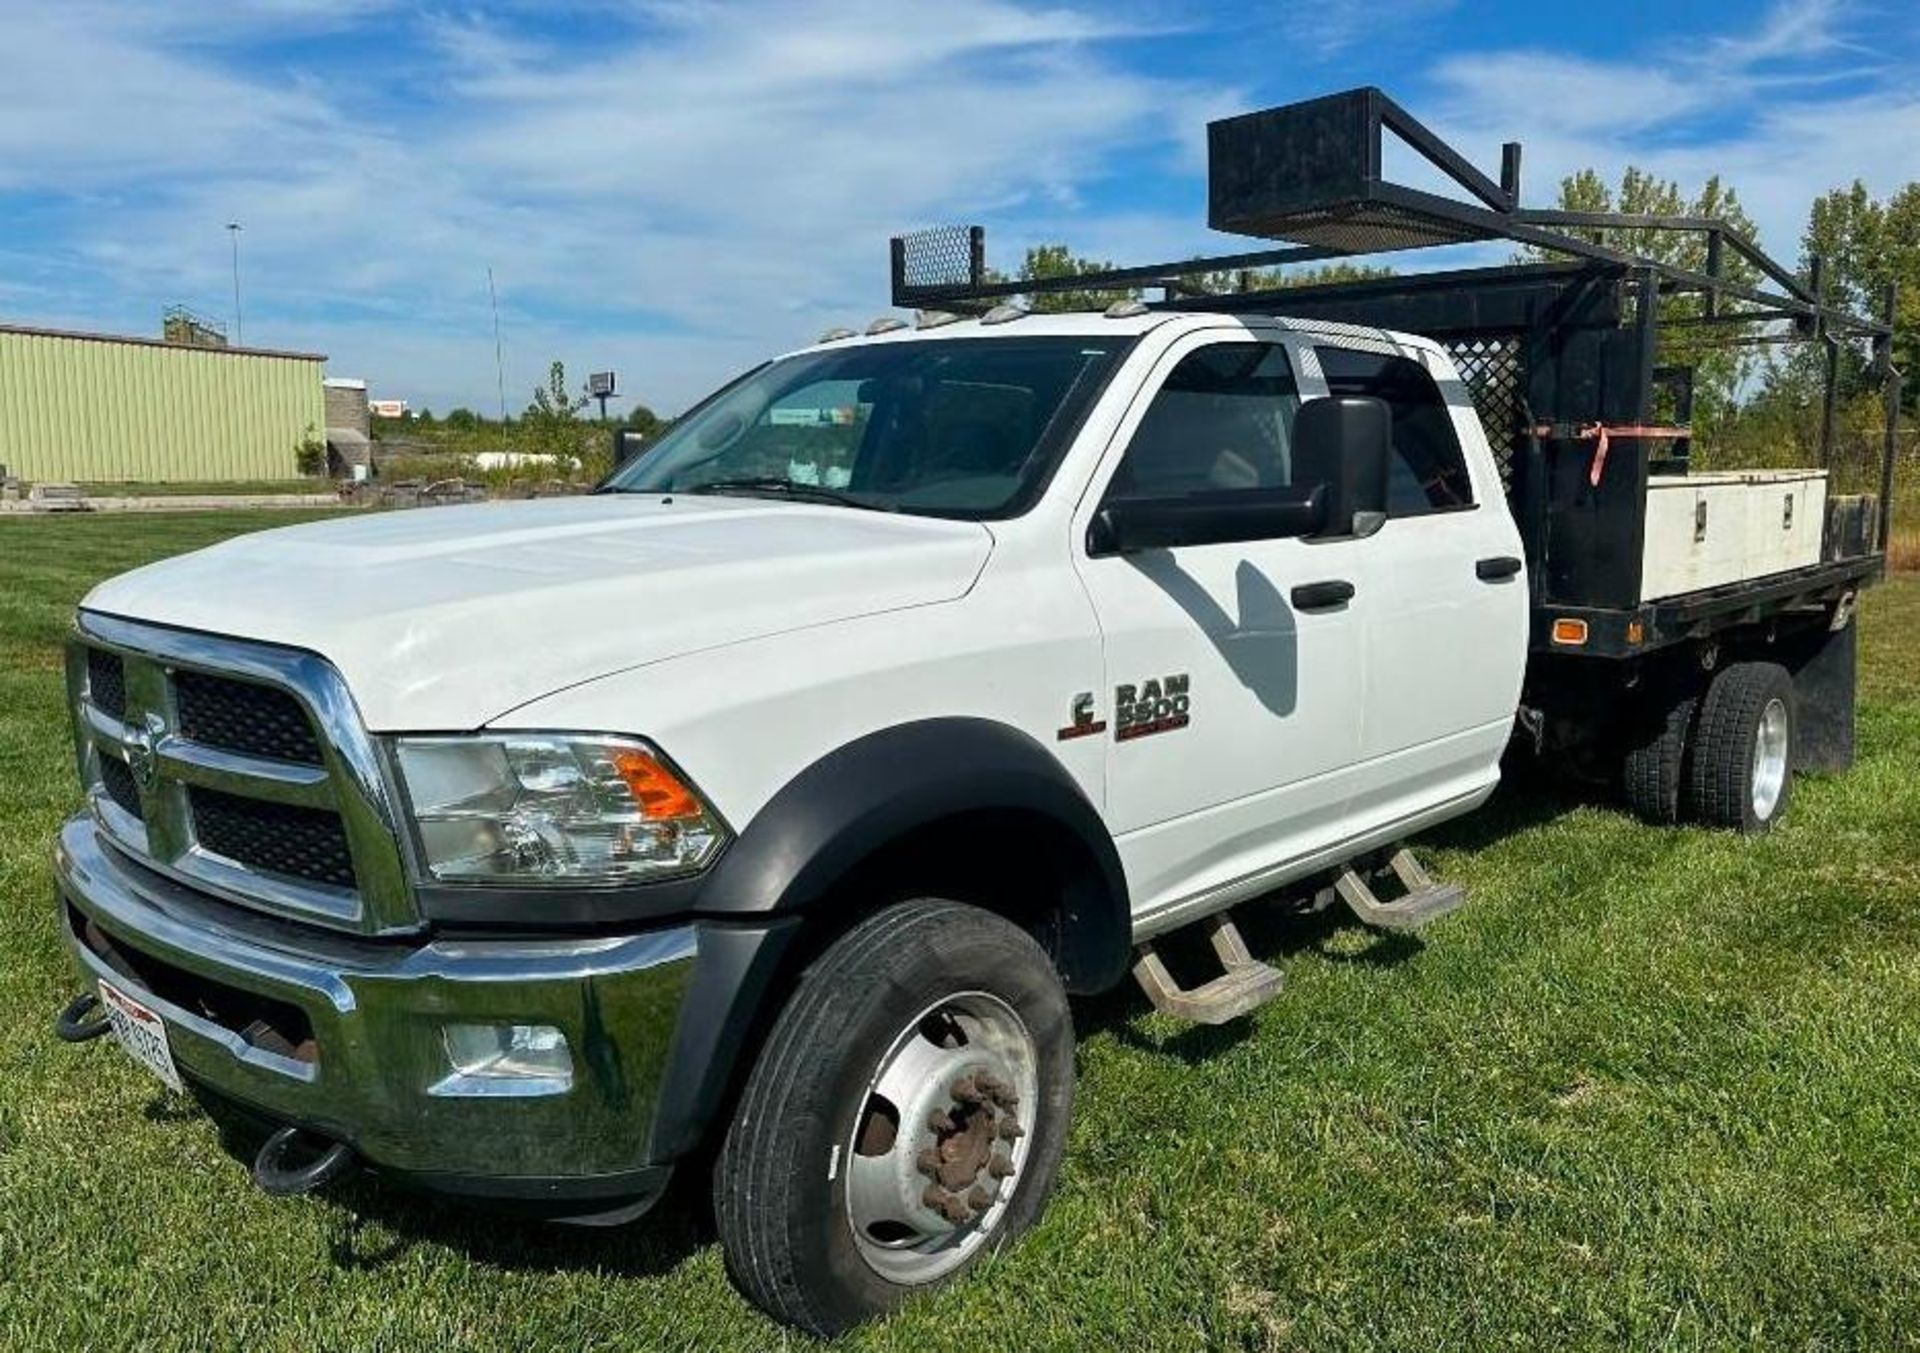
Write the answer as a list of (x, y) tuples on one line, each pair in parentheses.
[(72, 1024), (274, 1175)]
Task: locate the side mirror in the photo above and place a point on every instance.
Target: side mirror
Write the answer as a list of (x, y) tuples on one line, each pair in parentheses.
[(1129, 525), (1345, 442)]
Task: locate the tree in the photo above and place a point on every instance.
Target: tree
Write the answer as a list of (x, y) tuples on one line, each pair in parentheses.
[(1270, 279), (1049, 262), (1719, 372), (642, 420), (552, 425), (1865, 246)]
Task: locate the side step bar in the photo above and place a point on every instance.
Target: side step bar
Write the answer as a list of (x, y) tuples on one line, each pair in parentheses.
[(1423, 901), (1245, 984)]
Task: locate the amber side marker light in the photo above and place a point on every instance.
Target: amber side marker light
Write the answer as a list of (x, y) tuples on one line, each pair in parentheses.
[(1570, 632), (656, 789), (1636, 632)]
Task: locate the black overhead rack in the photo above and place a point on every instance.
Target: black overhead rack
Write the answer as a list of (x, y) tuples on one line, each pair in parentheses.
[(1565, 344)]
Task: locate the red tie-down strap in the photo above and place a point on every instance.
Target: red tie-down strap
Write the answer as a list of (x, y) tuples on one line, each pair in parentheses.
[(1601, 434)]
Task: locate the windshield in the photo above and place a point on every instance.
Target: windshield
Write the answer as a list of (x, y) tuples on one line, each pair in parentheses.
[(960, 427)]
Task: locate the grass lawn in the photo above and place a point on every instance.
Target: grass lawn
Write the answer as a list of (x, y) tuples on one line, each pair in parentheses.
[(1648, 1089), (194, 488)]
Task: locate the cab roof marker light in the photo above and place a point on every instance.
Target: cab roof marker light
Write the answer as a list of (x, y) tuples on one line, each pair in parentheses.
[(1002, 314), (934, 319), (1125, 309), (835, 334), (886, 324)]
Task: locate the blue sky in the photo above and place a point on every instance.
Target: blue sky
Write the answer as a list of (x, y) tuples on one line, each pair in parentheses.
[(674, 188)]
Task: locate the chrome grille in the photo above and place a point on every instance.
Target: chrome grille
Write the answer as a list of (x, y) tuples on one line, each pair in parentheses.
[(242, 769)]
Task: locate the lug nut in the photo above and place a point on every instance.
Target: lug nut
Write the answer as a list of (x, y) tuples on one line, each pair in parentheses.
[(927, 1162), (967, 1090), (1000, 1167), (1011, 1131), (940, 1121), (979, 1198)]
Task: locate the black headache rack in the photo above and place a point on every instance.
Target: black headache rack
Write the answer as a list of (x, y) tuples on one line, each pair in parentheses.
[(1550, 352)]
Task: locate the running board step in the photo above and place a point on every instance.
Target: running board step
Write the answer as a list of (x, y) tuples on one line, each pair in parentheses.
[(1246, 984), (1423, 901)]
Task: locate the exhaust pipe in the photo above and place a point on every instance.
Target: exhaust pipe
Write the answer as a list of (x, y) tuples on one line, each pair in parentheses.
[(273, 1173)]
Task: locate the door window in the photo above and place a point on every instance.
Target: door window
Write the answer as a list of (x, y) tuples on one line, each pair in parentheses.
[(1429, 471), (1221, 421)]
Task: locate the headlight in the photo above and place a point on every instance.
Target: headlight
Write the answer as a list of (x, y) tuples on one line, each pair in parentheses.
[(546, 808)]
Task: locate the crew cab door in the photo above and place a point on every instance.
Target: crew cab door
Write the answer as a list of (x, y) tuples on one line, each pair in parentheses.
[(1234, 694), (1446, 603)]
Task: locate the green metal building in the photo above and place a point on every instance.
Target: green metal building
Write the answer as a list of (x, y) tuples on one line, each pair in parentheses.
[(94, 407)]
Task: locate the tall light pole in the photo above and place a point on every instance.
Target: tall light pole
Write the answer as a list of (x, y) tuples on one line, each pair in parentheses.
[(239, 333)]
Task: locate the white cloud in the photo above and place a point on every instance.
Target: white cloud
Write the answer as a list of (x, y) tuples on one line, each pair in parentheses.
[(701, 183), (720, 181), (1782, 113)]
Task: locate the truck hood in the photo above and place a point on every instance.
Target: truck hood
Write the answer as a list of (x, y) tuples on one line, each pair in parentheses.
[(445, 618)]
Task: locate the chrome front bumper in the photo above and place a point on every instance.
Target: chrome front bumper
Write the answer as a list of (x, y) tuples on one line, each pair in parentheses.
[(374, 1073)]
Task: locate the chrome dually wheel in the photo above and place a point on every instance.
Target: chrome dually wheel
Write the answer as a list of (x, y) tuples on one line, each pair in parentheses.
[(1769, 758), (905, 1116), (939, 1141), (1740, 767)]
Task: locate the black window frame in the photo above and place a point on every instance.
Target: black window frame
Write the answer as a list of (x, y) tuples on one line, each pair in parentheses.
[(1350, 386), (1111, 490)]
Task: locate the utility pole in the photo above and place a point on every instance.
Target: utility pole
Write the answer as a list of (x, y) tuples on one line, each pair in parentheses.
[(239, 333), (499, 364)]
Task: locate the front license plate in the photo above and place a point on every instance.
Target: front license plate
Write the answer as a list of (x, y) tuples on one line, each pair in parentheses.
[(141, 1032)]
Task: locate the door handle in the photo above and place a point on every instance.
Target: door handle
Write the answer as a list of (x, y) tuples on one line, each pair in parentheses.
[(1321, 596), (1494, 569)]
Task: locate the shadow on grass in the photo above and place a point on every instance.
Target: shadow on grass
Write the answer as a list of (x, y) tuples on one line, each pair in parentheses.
[(1275, 928), (1527, 797), (378, 1219)]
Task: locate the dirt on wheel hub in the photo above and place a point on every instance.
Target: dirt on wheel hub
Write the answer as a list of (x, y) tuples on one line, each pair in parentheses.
[(962, 1167)]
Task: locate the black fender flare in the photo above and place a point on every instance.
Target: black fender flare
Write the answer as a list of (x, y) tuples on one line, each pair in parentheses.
[(817, 829), (878, 788)]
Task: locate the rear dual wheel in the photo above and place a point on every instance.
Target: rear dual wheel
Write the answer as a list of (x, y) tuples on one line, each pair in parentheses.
[(1721, 758), (1741, 771), (906, 1116)]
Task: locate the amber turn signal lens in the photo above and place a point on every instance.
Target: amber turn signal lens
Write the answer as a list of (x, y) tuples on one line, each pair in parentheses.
[(1572, 632), (656, 789)]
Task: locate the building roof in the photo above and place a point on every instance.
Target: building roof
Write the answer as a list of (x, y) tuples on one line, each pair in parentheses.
[(31, 331)]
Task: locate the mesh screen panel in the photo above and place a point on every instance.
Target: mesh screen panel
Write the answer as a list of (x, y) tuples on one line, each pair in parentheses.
[(107, 682), (242, 717), (117, 780), (1490, 369), (276, 838), (941, 257)]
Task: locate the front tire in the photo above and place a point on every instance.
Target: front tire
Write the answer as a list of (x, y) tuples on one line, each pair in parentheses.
[(1741, 774), (906, 1116)]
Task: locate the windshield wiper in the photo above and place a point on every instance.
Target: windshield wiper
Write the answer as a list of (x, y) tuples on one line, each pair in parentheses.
[(819, 493)]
